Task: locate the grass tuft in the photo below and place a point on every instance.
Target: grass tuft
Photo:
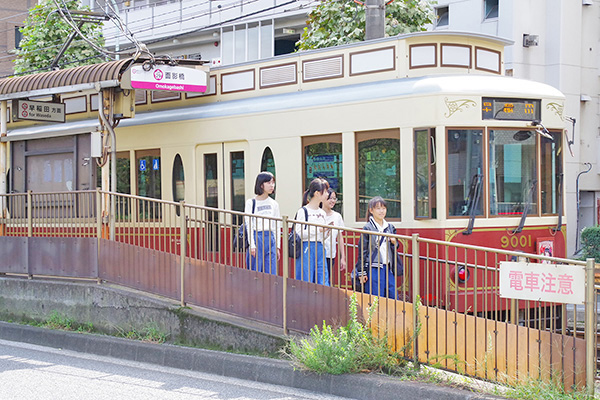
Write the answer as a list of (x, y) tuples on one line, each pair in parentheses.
[(347, 349)]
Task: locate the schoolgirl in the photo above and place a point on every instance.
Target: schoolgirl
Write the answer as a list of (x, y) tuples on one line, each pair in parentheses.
[(334, 241), (264, 234), (378, 262), (310, 267)]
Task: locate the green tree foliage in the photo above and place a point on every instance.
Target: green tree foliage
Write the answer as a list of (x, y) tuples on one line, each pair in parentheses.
[(336, 22), (45, 32), (590, 243)]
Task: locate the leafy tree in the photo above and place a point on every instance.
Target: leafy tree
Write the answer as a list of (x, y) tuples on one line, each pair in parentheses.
[(336, 22), (45, 32)]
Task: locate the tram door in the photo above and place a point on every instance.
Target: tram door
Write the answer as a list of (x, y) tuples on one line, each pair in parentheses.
[(220, 185)]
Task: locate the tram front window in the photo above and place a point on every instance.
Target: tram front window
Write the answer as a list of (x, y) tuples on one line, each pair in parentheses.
[(512, 175), (465, 172), (379, 171), (552, 183)]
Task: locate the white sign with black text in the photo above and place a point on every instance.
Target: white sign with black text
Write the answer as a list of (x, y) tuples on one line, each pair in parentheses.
[(39, 111)]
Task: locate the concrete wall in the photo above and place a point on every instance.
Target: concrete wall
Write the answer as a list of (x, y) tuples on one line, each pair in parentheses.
[(115, 310)]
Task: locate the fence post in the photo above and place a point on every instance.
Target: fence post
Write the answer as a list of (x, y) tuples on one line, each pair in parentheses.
[(590, 327), (29, 216), (98, 229), (182, 250), (285, 264), (415, 294)]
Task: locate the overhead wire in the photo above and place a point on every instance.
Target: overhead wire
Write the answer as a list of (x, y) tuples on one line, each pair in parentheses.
[(130, 35)]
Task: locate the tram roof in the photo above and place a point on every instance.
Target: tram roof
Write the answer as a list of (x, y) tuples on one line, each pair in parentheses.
[(484, 85)]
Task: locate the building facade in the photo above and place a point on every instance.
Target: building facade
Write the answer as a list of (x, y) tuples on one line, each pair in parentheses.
[(12, 15), (555, 42)]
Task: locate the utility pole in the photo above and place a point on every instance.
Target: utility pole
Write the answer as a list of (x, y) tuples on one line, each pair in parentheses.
[(375, 19)]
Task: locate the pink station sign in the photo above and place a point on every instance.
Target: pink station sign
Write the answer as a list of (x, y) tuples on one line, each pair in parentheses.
[(542, 282), (169, 78)]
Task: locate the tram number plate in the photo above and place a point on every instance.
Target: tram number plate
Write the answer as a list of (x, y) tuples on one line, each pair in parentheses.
[(516, 241)]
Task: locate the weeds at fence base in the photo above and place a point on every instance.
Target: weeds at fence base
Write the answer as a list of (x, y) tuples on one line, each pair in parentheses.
[(62, 322), (535, 389), (347, 349), (149, 334)]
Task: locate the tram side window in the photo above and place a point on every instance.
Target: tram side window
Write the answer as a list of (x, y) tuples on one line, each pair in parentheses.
[(148, 179), (552, 184), (425, 178), (211, 199), (178, 179), (465, 172), (238, 193), (123, 173), (267, 163), (513, 174), (379, 170), (323, 159)]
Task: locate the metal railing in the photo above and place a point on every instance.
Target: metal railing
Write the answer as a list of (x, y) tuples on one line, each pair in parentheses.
[(445, 309)]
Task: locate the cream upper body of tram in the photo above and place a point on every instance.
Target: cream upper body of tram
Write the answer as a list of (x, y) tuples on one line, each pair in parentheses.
[(427, 120)]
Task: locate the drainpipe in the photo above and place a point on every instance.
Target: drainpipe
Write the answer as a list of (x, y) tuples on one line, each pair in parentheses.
[(589, 165)]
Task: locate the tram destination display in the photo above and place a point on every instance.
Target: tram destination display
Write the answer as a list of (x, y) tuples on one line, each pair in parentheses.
[(510, 109)]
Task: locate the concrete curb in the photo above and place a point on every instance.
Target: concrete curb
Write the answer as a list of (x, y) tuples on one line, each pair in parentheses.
[(264, 370)]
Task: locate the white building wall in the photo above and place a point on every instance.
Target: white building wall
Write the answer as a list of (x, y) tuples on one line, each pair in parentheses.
[(568, 58)]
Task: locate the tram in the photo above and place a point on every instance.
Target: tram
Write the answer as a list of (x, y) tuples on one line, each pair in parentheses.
[(428, 121)]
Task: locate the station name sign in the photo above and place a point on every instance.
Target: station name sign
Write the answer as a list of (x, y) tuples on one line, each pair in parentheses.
[(166, 78), (38, 111)]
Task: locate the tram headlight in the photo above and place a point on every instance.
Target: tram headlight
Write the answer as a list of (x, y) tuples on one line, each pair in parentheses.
[(460, 274)]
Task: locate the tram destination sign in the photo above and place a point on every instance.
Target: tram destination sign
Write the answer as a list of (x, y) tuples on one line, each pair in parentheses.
[(542, 282), (166, 78), (38, 111), (510, 109)]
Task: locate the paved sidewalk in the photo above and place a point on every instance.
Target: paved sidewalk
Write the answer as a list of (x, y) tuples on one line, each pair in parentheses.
[(265, 370)]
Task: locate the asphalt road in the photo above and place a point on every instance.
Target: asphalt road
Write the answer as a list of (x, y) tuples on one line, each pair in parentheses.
[(34, 372)]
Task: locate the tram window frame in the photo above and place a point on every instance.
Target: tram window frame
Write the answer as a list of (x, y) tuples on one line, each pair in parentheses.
[(483, 171), (534, 210), (431, 178), (549, 173), (325, 139), (212, 229), (152, 211), (237, 157), (364, 136)]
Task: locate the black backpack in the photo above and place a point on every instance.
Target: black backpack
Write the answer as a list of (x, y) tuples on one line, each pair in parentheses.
[(294, 240), (240, 240)]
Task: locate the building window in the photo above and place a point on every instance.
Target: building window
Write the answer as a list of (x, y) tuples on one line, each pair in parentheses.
[(465, 172), (442, 16), (323, 159), (513, 174), (378, 172), (552, 183), (18, 37), (491, 9), (268, 163), (425, 178)]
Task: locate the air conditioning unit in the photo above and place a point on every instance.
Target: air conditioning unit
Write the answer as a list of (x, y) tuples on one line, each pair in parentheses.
[(530, 40)]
